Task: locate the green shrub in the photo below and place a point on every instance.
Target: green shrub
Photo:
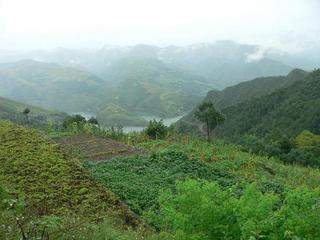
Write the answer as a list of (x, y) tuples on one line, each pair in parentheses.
[(156, 129), (203, 210), (74, 119)]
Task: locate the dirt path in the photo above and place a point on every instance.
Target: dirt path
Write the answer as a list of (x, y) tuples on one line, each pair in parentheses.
[(97, 149)]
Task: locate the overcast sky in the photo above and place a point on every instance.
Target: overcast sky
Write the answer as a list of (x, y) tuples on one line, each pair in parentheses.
[(31, 24)]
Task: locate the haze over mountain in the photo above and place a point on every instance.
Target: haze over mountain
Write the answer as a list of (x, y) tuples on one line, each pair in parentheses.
[(13, 111), (221, 64)]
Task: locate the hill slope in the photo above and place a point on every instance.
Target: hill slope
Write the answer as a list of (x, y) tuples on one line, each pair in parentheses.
[(53, 184), (240, 93), (148, 86), (222, 63), (50, 86), (139, 85), (12, 110), (113, 115), (289, 111)]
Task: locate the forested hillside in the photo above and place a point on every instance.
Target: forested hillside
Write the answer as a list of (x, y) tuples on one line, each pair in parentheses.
[(288, 111), (242, 92)]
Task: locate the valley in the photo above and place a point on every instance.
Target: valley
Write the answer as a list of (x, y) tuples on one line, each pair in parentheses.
[(153, 147), (160, 120)]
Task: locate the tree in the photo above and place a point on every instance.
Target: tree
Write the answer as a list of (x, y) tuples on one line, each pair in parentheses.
[(93, 120), (69, 120), (207, 114), (25, 112)]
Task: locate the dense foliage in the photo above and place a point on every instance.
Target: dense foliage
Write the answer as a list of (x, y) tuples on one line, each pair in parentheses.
[(156, 129), (240, 93), (303, 149), (207, 114), (268, 123), (203, 210), (287, 111), (138, 180)]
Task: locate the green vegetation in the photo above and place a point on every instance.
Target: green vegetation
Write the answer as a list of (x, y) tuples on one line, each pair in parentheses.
[(35, 116), (138, 180), (207, 114), (156, 129), (287, 111), (268, 124), (136, 85), (51, 86), (303, 149), (70, 181), (203, 210), (147, 85), (52, 185), (240, 93), (179, 182), (113, 115)]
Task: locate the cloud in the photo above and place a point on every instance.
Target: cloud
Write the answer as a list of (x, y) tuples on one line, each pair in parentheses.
[(257, 55)]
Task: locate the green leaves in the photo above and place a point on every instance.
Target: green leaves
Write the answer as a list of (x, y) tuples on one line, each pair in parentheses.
[(207, 114), (138, 180), (204, 210)]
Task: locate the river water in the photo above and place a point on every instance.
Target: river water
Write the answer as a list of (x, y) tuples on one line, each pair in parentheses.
[(128, 129)]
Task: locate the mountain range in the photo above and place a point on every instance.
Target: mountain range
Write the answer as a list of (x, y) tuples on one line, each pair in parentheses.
[(143, 79), (222, 63)]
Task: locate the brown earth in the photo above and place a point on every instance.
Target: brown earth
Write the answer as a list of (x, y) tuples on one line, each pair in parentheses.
[(97, 149)]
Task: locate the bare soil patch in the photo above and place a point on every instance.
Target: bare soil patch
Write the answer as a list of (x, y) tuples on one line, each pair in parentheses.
[(97, 149)]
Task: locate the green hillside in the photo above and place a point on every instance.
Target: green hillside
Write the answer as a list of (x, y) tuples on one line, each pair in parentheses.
[(113, 115), (12, 110), (240, 93), (51, 86), (288, 111), (139, 85), (148, 86), (188, 187), (56, 191)]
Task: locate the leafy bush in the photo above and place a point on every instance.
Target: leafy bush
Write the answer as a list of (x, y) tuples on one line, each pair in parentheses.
[(74, 119), (303, 150), (93, 120), (307, 140), (156, 129), (203, 210)]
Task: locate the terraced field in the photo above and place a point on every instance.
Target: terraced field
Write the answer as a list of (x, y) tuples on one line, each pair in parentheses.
[(96, 149)]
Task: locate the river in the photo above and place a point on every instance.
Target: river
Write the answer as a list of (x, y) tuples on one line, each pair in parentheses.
[(128, 129)]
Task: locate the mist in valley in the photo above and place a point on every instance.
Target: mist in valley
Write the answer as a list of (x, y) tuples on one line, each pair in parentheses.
[(159, 120)]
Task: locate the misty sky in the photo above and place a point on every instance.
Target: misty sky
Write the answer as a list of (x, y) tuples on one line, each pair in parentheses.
[(31, 24)]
